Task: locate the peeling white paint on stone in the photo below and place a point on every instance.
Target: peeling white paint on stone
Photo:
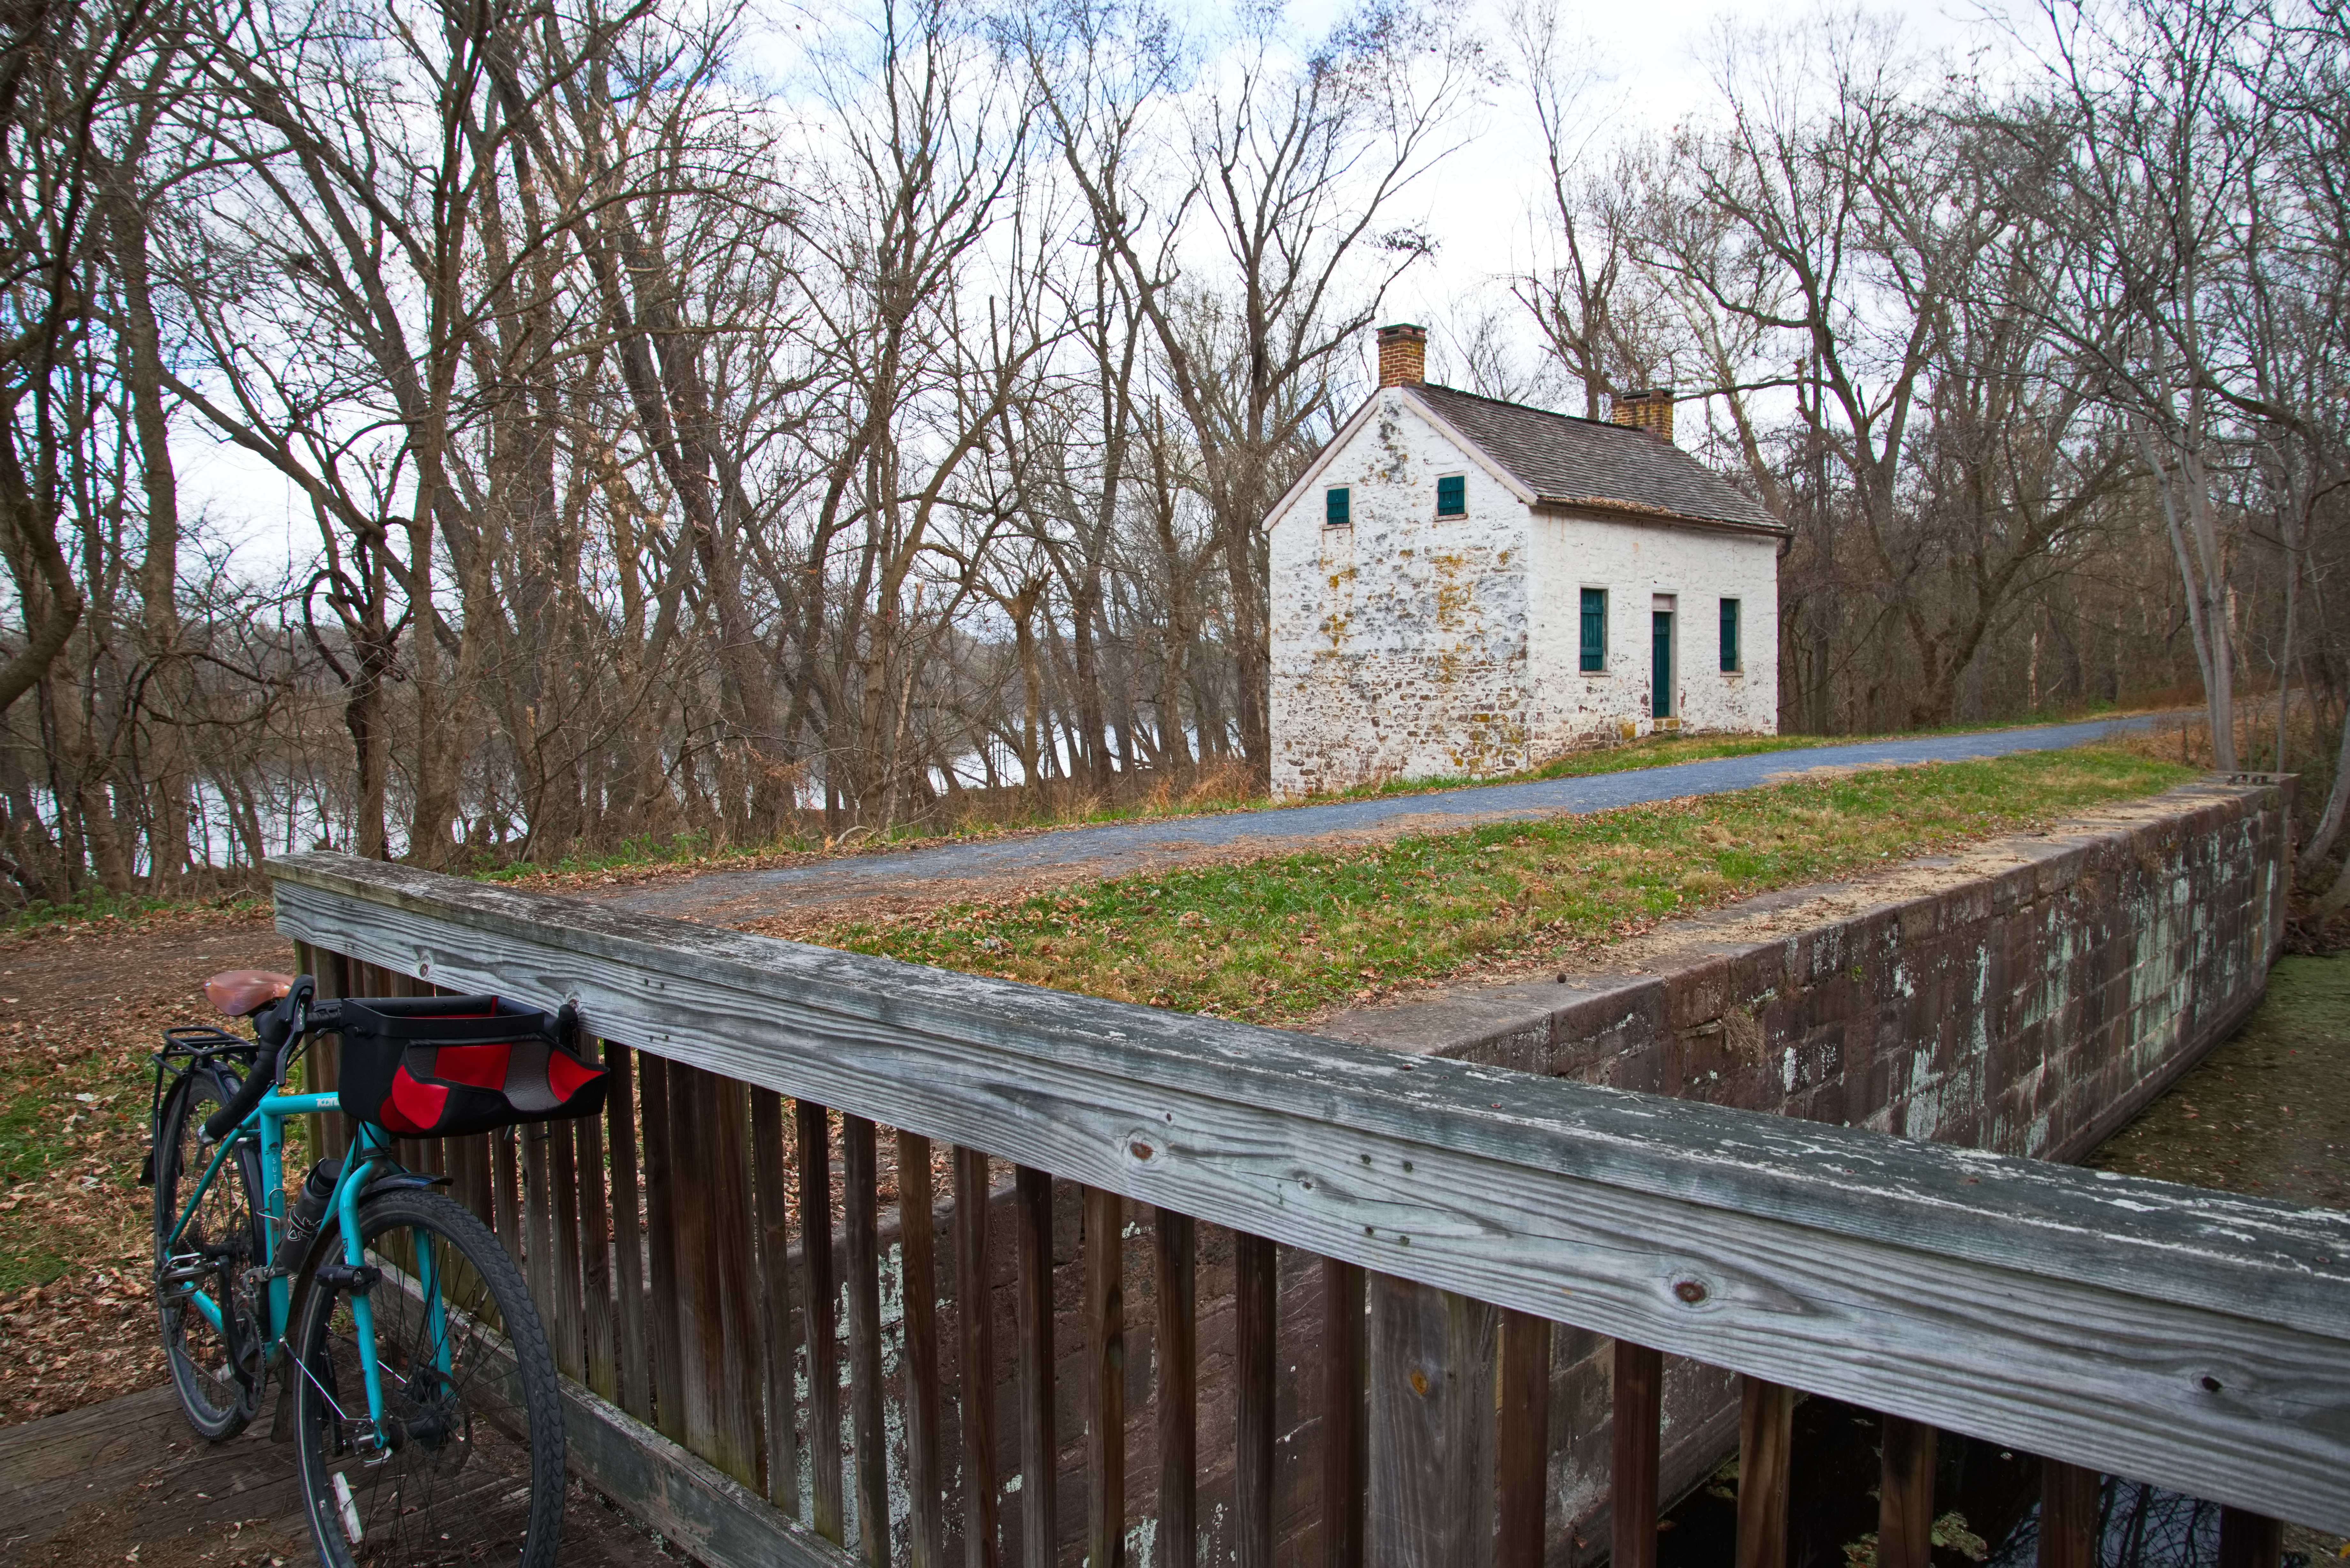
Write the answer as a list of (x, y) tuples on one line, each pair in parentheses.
[(1410, 646)]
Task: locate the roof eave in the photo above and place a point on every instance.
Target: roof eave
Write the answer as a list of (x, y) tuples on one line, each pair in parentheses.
[(1635, 511)]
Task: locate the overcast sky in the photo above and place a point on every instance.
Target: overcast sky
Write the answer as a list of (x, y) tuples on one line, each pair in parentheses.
[(1651, 57)]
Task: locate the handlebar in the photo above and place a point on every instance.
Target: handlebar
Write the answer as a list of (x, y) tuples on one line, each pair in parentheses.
[(282, 1022)]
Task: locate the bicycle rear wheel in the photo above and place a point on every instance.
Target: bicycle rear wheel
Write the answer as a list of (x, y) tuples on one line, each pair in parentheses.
[(472, 1420), (215, 1355)]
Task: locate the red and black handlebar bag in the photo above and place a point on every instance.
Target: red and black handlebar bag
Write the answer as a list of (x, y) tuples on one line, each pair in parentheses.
[(442, 1067)]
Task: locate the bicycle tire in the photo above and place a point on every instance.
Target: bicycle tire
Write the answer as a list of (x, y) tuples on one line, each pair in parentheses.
[(216, 1370), (447, 1492)]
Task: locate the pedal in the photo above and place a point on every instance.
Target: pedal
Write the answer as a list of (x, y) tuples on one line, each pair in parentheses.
[(357, 1278)]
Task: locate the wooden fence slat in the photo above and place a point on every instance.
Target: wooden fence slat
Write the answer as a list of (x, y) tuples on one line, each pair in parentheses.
[(712, 1239), (2249, 1540), (1905, 1497), (1346, 1432), (1105, 1254), (1431, 1438), (506, 1181), (1177, 1388), (776, 1343), (1638, 1402), (926, 1519), (2069, 1497), (693, 1243), (821, 1310), (1039, 1454), (1521, 1441), (663, 1337), (975, 1320), (628, 1233), (329, 1132), (861, 1184), (601, 1344), (1253, 1309), (566, 1326), (1766, 1439)]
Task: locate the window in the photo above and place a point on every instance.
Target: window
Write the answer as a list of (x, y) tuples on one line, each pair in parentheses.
[(1452, 496), (1595, 629), (1730, 637), (1336, 509)]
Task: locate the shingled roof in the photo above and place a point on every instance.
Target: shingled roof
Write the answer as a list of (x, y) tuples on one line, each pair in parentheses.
[(1570, 462)]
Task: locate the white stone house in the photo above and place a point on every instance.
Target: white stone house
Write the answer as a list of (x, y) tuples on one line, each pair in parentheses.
[(1464, 586)]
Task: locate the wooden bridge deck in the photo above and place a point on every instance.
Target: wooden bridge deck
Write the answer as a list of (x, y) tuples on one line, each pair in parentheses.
[(126, 1480)]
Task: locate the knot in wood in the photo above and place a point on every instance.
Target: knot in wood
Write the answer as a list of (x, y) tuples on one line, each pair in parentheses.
[(1689, 1290), (1140, 1149)]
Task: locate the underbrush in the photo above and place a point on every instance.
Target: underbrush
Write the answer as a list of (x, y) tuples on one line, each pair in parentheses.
[(1280, 939)]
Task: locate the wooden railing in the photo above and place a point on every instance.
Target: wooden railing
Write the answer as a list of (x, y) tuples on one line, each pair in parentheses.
[(1198, 1290)]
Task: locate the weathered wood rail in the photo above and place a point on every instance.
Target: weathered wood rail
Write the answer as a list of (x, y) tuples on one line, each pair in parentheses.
[(1372, 1249)]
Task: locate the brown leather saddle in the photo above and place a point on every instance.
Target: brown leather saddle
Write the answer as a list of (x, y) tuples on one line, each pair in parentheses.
[(242, 993)]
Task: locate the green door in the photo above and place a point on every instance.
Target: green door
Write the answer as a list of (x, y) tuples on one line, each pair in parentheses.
[(1660, 675)]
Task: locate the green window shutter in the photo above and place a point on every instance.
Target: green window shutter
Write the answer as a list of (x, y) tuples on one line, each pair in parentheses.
[(1452, 496), (1729, 635), (1595, 629), (1336, 509)]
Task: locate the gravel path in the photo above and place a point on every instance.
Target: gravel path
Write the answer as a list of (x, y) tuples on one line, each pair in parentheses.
[(959, 869)]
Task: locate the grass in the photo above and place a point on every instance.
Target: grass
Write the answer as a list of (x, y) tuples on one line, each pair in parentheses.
[(1281, 939)]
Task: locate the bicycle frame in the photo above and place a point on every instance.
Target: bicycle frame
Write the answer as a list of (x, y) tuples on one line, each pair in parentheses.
[(371, 1149)]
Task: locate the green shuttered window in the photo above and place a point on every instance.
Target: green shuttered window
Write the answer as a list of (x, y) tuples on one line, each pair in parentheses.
[(1730, 636), (1336, 508), (1595, 629), (1452, 496)]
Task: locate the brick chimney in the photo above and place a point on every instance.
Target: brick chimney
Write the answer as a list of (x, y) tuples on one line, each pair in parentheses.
[(1652, 410), (1403, 355)]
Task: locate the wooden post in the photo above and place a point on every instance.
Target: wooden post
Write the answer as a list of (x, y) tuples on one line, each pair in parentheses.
[(860, 1183), (720, 1160), (1766, 1439), (1253, 1309), (975, 1318), (1521, 1441), (1431, 1438), (1177, 1392), (1039, 1482), (1905, 1497), (1104, 1247), (2250, 1540), (821, 1308), (1345, 1463), (927, 1532), (1639, 1407), (2069, 1501)]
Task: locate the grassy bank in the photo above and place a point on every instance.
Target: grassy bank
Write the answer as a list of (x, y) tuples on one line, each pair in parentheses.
[(1278, 941)]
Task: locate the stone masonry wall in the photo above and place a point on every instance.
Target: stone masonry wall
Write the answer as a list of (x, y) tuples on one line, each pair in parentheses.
[(2027, 997), (1400, 642), (1635, 563), (1412, 646)]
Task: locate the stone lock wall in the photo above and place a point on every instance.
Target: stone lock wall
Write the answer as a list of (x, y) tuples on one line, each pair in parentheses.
[(2028, 997)]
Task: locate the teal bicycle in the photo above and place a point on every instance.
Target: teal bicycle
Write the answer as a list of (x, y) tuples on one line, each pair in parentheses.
[(414, 1375)]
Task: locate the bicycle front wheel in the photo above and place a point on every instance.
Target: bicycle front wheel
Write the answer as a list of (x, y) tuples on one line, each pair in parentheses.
[(208, 1259), (467, 1464)]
